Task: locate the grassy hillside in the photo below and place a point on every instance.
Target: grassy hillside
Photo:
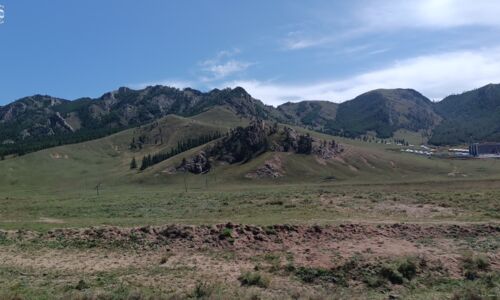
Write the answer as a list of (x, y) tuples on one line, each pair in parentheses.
[(106, 160), (469, 117), (315, 114), (56, 187), (384, 111)]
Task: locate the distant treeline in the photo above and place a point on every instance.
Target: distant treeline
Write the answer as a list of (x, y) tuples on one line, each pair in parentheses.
[(43, 142), (182, 146)]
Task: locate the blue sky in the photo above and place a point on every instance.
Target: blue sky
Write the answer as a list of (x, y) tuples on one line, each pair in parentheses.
[(278, 50)]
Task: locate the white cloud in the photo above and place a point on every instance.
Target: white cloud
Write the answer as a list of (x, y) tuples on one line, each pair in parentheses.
[(222, 70), (297, 43), (222, 65), (434, 14), (301, 40), (389, 15), (436, 76)]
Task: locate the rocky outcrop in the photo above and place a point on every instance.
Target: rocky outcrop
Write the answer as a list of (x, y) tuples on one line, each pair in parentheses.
[(198, 164), (246, 143), (242, 144), (272, 168)]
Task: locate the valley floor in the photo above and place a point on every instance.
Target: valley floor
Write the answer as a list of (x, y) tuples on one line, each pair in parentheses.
[(410, 241)]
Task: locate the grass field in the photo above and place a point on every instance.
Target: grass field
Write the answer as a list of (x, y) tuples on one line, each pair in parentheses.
[(372, 223)]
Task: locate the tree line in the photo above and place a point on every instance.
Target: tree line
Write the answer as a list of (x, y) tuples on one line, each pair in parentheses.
[(182, 146), (34, 144)]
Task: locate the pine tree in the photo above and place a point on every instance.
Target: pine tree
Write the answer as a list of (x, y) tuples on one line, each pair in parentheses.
[(133, 164), (304, 144)]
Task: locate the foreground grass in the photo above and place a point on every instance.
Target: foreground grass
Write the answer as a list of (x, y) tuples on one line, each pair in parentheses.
[(264, 277), (262, 205), (423, 268)]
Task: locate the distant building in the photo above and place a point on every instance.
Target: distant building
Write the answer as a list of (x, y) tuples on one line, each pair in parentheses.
[(484, 149)]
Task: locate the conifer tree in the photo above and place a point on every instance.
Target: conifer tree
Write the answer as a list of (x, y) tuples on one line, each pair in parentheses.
[(133, 164)]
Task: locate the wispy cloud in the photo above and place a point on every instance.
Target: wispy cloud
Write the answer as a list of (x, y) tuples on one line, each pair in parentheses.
[(223, 65), (296, 42), (436, 76), (432, 14), (367, 17)]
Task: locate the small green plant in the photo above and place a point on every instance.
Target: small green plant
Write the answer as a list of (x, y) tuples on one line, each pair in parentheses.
[(82, 285), (408, 268), (202, 290), (269, 230), (392, 275), (310, 275), (254, 279), (374, 281), (290, 268), (226, 233), (472, 265)]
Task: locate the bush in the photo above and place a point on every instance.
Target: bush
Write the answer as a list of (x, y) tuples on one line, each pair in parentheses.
[(226, 233), (408, 269), (82, 285), (482, 263), (254, 279), (392, 275), (269, 230), (202, 290), (472, 265), (309, 275), (375, 281)]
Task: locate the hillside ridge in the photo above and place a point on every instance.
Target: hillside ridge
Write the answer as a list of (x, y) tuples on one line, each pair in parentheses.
[(41, 121)]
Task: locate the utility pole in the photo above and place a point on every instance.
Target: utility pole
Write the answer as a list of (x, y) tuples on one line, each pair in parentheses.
[(97, 188), (185, 182)]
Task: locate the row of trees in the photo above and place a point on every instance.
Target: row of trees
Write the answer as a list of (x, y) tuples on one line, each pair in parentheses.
[(182, 146), (38, 143)]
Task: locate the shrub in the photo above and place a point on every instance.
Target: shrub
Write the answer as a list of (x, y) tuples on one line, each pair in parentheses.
[(375, 281), (82, 285), (408, 269), (309, 275), (482, 263), (290, 267), (226, 233), (392, 275), (254, 279), (270, 230), (202, 290), (472, 265)]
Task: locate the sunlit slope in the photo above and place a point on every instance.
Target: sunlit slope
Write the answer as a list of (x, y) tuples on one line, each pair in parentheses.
[(106, 160), (360, 162)]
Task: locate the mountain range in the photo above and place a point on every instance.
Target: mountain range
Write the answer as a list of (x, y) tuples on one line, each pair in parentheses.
[(39, 121)]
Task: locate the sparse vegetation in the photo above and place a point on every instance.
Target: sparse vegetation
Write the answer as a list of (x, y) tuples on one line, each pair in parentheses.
[(254, 278), (474, 265)]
